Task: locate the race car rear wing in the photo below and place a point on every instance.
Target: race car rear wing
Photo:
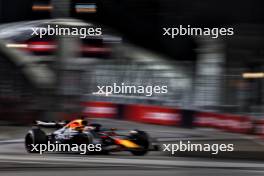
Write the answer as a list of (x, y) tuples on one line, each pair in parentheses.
[(49, 124)]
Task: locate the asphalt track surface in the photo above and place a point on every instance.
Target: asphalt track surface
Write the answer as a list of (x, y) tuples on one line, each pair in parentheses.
[(15, 161)]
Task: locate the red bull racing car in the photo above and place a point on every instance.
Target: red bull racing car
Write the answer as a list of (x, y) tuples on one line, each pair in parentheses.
[(79, 132)]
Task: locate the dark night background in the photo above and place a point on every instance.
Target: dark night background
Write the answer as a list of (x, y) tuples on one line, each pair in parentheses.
[(141, 21)]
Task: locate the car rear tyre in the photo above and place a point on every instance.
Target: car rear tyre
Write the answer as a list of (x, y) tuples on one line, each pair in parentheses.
[(141, 138), (33, 137)]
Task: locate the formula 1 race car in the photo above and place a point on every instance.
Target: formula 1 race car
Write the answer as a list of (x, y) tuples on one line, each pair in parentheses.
[(80, 132)]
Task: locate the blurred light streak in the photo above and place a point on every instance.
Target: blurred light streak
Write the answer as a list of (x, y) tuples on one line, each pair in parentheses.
[(34, 46), (85, 8), (42, 46), (253, 75), (42, 7), (92, 49), (16, 45)]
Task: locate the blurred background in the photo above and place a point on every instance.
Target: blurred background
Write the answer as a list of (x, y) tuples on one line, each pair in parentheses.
[(40, 76)]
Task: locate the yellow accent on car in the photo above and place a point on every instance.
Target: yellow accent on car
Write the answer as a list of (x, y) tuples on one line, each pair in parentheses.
[(127, 143)]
